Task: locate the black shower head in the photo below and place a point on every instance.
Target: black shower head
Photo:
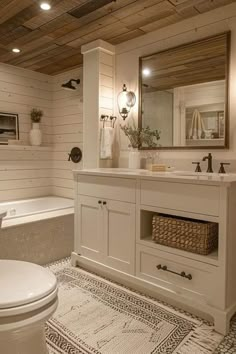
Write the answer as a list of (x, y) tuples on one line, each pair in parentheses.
[(68, 85)]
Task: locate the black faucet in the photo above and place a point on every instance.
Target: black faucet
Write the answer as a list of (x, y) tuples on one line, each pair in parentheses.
[(209, 158)]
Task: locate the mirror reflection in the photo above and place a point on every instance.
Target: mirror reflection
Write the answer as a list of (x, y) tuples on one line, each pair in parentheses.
[(184, 94)]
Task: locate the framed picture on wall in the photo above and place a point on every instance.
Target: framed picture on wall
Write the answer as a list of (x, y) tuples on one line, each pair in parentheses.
[(9, 127)]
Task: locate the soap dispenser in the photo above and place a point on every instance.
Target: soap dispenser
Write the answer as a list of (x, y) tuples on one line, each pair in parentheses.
[(149, 161)]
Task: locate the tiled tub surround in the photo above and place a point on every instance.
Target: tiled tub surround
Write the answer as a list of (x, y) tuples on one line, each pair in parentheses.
[(42, 230), (113, 228)]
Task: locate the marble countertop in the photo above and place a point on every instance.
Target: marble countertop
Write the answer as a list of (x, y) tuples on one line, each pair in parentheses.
[(175, 176)]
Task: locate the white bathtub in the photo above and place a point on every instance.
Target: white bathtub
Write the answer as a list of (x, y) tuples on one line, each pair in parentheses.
[(30, 210)]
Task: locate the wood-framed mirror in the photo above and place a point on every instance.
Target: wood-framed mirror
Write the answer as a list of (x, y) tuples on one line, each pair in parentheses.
[(183, 93)]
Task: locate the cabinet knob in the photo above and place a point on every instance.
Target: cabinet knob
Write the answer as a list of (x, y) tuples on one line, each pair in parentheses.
[(104, 203), (99, 202)]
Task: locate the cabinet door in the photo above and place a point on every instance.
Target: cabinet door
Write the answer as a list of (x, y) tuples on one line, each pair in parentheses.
[(90, 221), (119, 235)]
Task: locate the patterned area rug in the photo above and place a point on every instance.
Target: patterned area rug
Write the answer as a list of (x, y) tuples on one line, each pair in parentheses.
[(98, 316)]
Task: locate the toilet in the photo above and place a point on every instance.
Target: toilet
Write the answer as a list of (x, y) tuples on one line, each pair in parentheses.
[(28, 298)]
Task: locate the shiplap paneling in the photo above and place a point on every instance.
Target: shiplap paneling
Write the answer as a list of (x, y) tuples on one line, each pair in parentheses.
[(67, 131), (25, 172), (106, 83)]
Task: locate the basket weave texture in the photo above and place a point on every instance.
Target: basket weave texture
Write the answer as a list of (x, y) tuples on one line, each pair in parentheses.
[(190, 235)]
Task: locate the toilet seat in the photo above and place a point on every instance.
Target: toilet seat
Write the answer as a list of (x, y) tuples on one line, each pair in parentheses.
[(24, 287), (19, 310)]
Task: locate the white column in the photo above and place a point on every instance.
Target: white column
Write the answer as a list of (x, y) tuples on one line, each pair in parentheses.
[(98, 96)]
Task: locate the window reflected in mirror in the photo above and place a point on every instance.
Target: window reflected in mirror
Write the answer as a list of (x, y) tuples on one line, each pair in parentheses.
[(184, 94)]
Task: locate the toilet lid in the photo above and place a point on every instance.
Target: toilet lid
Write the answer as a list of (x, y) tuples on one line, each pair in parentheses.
[(22, 283)]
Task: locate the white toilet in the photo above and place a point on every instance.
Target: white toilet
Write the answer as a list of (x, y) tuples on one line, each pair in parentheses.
[(28, 298)]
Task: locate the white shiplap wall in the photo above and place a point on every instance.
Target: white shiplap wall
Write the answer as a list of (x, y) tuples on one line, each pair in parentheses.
[(67, 131), (98, 75), (106, 91), (25, 171)]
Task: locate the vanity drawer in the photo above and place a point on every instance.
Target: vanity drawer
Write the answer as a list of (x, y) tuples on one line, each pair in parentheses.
[(203, 286), (122, 189), (201, 199)]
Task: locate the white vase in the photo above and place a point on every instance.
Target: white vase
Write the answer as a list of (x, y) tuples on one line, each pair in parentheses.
[(134, 158), (35, 135)]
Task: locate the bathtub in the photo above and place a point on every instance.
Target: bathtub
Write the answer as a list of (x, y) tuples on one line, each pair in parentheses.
[(30, 210), (39, 230)]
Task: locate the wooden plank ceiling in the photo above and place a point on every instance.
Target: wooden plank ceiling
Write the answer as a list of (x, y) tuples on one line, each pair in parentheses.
[(190, 64), (50, 41)]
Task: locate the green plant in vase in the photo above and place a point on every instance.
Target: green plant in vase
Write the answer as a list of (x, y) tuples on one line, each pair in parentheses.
[(35, 135), (36, 115), (138, 138), (141, 137)]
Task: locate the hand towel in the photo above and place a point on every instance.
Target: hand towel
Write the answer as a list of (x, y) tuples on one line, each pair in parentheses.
[(197, 126), (106, 140)]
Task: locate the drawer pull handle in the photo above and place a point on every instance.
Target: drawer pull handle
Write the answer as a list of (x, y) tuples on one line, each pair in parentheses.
[(182, 274)]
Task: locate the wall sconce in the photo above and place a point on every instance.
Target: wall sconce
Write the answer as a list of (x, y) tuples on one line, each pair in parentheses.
[(126, 100)]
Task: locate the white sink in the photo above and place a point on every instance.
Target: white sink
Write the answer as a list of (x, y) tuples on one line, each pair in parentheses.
[(125, 170), (199, 174)]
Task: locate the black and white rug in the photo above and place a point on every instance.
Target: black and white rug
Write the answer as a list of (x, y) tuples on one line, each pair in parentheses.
[(98, 316)]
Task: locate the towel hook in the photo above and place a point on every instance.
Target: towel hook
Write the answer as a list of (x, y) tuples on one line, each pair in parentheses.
[(105, 118)]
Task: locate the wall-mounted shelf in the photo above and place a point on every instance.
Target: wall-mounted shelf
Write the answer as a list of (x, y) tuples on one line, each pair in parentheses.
[(196, 140), (25, 148)]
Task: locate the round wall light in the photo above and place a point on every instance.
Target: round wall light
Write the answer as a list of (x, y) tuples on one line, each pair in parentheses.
[(16, 50), (45, 6), (126, 100)]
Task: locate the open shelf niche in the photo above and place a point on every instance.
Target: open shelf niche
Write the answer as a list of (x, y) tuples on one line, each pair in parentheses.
[(146, 240)]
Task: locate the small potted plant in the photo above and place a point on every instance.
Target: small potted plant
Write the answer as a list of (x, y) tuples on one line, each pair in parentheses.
[(139, 137), (35, 135)]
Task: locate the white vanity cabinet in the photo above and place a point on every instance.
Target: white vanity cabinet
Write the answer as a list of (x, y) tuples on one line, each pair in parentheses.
[(90, 228), (113, 228), (105, 225)]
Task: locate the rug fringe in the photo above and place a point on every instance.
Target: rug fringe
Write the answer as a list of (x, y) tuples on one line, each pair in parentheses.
[(200, 341), (58, 265)]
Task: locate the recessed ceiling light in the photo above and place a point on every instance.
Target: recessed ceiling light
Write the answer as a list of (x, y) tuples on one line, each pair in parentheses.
[(146, 72), (16, 50), (45, 6)]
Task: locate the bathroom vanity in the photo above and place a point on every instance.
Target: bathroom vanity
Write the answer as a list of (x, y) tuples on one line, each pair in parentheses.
[(113, 227)]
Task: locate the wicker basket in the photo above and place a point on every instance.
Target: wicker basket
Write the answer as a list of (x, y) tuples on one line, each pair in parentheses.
[(190, 235)]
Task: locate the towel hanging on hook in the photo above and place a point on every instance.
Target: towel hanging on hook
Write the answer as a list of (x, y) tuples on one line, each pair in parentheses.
[(111, 119)]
